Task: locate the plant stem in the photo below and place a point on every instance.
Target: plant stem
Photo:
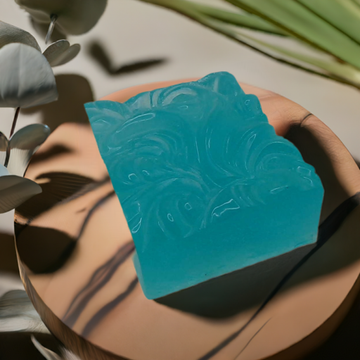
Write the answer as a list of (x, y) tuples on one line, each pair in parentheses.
[(7, 158), (14, 122), (53, 19)]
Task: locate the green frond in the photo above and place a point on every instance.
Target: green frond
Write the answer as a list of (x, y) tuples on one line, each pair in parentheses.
[(331, 28)]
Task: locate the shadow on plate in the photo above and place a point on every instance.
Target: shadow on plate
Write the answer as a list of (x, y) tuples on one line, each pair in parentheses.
[(232, 293), (223, 297), (74, 91)]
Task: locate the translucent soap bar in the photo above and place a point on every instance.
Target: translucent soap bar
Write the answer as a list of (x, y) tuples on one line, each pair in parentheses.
[(206, 186)]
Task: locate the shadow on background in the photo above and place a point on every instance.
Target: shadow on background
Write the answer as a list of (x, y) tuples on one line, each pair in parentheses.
[(18, 345), (74, 92), (344, 343), (8, 261), (98, 53), (357, 162)]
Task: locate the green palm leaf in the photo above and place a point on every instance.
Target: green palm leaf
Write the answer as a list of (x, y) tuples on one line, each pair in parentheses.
[(239, 19), (330, 28)]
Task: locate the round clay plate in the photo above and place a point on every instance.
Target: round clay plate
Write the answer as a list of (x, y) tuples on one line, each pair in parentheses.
[(75, 257)]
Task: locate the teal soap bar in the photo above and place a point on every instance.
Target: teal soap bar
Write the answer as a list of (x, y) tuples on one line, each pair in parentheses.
[(206, 186)]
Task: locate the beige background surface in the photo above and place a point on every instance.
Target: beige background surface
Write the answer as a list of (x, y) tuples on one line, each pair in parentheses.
[(132, 31)]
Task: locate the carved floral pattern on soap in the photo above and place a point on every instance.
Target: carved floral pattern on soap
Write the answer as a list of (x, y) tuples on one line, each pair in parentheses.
[(182, 146)]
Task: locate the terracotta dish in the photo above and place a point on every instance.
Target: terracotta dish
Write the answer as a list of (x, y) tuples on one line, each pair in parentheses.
[(75, 249)]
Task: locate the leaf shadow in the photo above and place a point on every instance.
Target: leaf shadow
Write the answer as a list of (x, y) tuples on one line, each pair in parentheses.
[(8, 261), (55, 151), (44, 250), (59, 186), (17, 345), (99, 54), (74, 91)]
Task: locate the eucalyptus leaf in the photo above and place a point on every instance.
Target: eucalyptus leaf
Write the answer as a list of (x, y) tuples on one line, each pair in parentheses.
[(23, 145), (60, 52), (12, 34), (48, 354), (74, 17), (14, 190), (3, 170), (17, 313), (29, 137), (3, 148), (3, 142), (26, 77)]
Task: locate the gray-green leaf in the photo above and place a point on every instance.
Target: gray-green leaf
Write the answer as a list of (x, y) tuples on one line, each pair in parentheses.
[(50, 355), (23, 145), (26, 78), (60, 52), (73, 16), (14, 190), (46, 353), (17, 313), (12, 34), (3, 148), (3, 171)]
